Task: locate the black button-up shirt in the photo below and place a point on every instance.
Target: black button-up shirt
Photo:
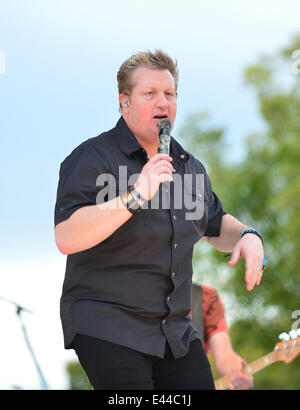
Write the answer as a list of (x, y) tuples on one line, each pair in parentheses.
[(134, 288)]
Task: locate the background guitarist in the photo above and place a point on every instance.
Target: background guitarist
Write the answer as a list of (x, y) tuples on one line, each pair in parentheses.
[(208, 316)]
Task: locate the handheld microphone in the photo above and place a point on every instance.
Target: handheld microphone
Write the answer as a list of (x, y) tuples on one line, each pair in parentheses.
[(164, 135)]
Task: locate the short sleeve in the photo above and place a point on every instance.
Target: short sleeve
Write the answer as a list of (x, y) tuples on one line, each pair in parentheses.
[(213, 312), (215, 211), (77, 186)]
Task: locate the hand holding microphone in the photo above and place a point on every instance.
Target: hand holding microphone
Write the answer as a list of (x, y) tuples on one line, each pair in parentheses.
[(159, 168)]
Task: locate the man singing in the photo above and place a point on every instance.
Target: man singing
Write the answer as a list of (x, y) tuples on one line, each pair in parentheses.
[(126, 299)]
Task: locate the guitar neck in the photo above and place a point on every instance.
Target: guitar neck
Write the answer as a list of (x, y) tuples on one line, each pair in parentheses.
[(224, 382)]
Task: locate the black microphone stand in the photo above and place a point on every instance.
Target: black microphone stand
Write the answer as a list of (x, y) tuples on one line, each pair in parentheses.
[(19, 310)]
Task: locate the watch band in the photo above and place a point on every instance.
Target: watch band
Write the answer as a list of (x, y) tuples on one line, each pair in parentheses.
[(131, 204), (136, 193), (250, 229)]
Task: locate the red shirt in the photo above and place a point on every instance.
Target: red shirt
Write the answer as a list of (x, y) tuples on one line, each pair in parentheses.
[(213, 314)]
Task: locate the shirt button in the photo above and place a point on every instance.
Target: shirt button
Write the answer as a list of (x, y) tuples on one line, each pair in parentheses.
[(182, 156), (168, 299), (174, 217), (164, 321), (173, 275), (175, 245)]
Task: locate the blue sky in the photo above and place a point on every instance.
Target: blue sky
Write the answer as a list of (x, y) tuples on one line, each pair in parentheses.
[(59, 88)]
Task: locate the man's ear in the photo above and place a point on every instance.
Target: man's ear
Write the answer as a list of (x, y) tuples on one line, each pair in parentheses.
[(123, 99)]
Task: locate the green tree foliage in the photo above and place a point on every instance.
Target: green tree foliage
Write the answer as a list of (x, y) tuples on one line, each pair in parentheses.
[(77, 377), (262, 190)]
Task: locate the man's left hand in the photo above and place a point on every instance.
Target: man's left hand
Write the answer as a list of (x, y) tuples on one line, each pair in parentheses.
[(251, 249)]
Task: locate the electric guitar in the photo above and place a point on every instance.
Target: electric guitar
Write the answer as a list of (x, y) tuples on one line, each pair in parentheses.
[(285, 351)]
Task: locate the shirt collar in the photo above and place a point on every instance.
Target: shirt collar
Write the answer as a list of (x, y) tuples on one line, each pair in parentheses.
[(176, 151), (129, 144), (125, 138)]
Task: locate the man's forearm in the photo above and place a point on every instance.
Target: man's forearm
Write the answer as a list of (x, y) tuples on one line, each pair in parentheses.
[(90, 225), (229, 361), (229, 234), (225, 358)]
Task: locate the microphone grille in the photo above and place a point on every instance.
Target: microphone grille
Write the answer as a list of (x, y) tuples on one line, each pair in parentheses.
[(165, 123)]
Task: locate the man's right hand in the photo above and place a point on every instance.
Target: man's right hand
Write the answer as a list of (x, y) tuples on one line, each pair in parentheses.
[(157, 170)]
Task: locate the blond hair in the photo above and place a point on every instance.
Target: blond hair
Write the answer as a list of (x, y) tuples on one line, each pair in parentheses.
[(158, 60)]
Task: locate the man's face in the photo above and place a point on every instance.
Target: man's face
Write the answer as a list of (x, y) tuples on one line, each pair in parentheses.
[(153, 97)]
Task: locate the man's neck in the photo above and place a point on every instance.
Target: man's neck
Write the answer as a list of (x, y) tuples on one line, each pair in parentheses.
[(150, 145)]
